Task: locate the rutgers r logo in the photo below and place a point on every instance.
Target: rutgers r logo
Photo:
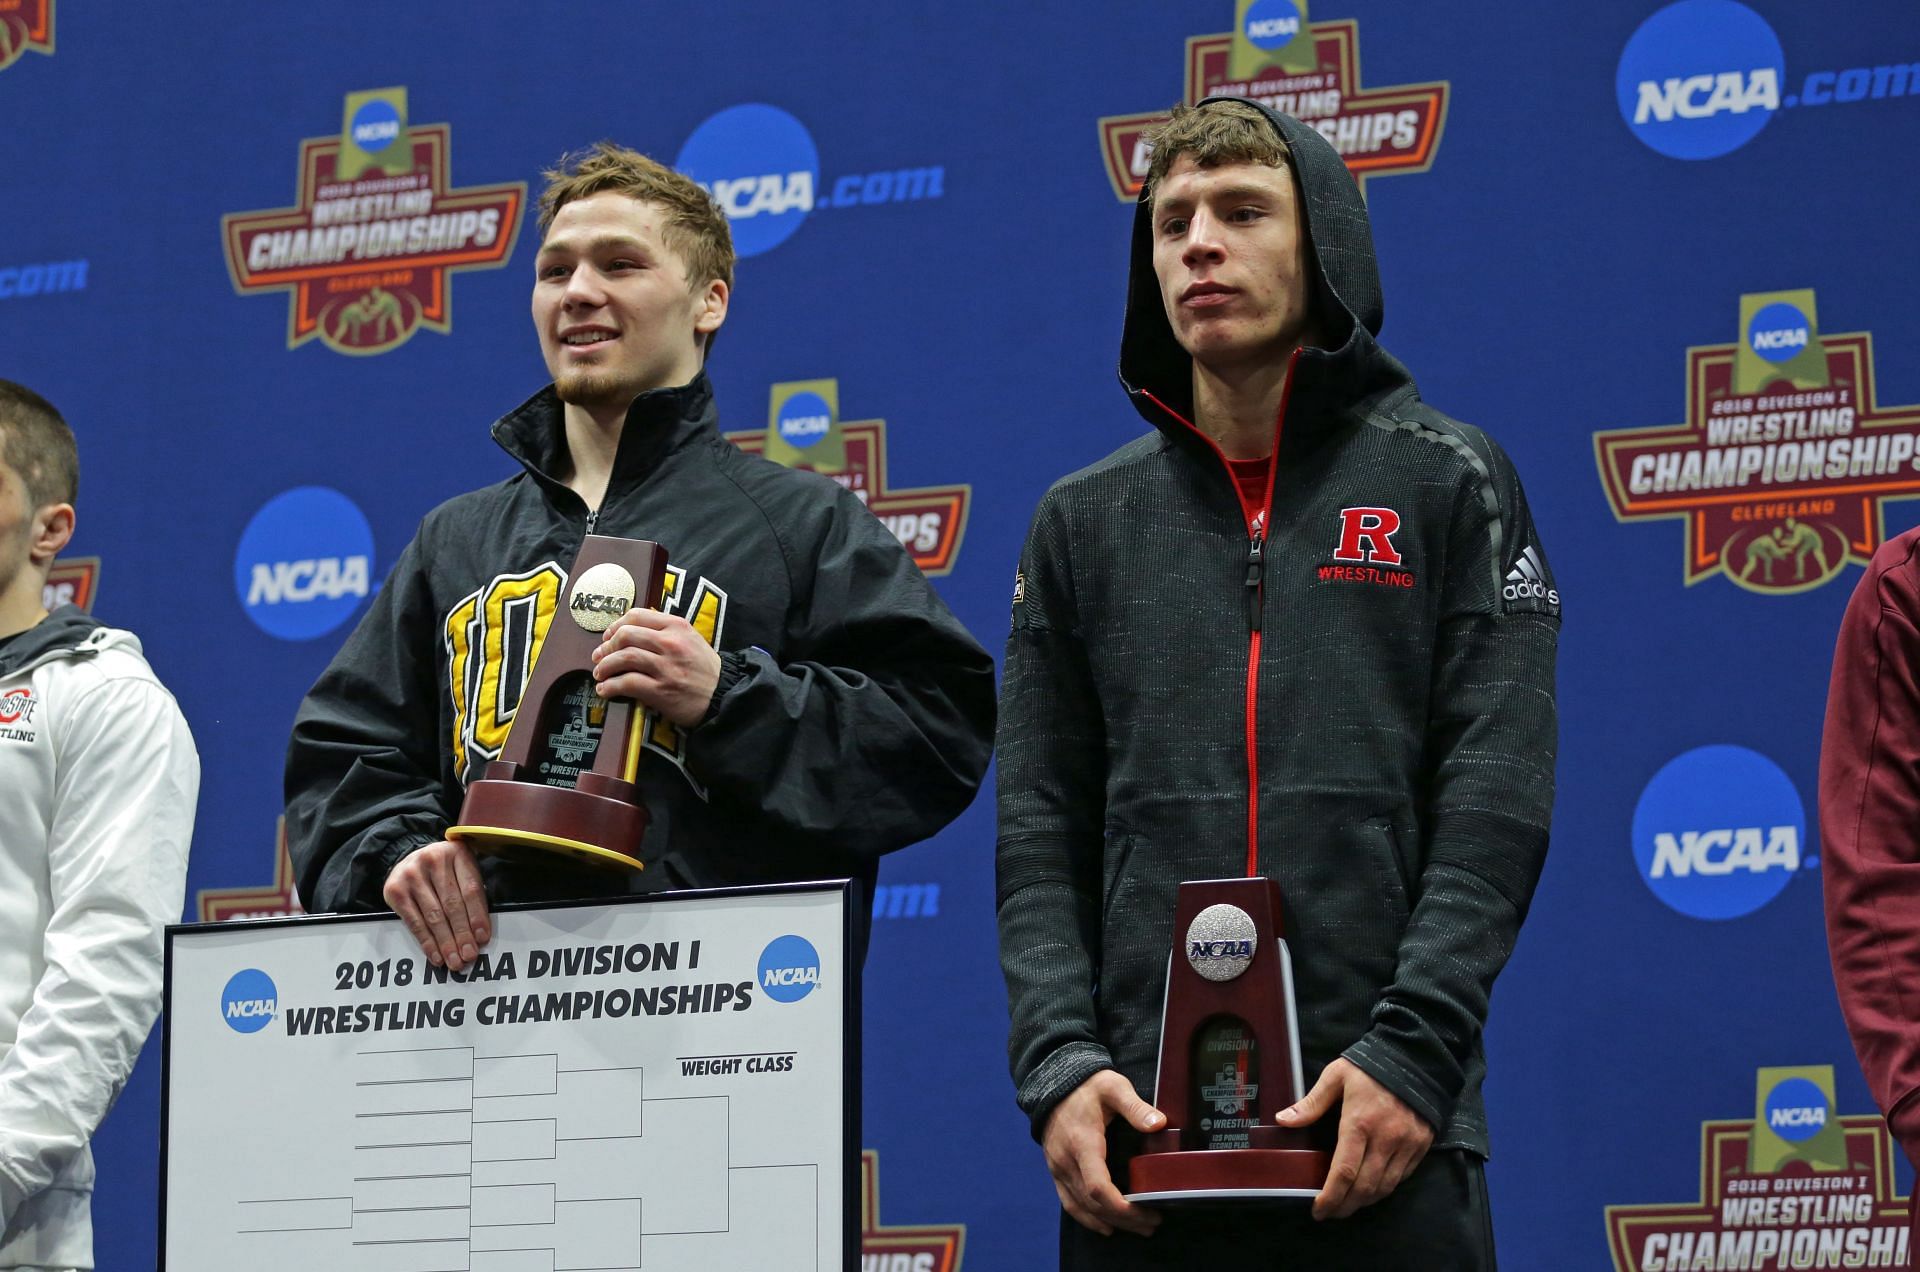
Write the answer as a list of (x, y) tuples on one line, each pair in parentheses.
[(1366, 534)]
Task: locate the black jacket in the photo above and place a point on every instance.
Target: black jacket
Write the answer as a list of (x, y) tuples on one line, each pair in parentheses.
[(853, 716), (1404, 728)]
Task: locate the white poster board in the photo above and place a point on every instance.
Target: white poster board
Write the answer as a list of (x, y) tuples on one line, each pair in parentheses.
[(665, 1082)]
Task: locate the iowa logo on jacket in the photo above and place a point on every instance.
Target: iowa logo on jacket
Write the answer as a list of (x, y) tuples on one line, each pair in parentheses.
[(494, 635), (804, 430)]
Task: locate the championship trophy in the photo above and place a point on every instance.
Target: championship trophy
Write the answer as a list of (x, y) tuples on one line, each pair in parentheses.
[(1229, 1057), (538, 797)]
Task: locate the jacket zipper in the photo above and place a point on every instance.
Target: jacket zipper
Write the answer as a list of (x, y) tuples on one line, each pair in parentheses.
[(593, 516), (1256, 589)]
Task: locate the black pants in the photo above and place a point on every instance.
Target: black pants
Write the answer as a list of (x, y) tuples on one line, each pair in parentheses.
[(1437, 1220)]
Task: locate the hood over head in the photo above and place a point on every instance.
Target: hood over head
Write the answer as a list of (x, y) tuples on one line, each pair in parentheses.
[(1347, 304)]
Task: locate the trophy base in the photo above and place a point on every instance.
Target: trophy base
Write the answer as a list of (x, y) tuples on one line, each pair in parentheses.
[(498, 817), (1214, 1196), (1228, 1174)]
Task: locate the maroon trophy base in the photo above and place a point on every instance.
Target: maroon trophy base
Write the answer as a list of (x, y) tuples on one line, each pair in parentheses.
[(600, 822), (1280, 1166)]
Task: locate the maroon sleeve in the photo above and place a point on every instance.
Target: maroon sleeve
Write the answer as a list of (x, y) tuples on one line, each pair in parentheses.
[(1870, 829)]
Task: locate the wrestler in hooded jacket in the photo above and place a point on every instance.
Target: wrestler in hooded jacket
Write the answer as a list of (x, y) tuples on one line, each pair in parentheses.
[(1356, 700), (100, 776), (853, 715)]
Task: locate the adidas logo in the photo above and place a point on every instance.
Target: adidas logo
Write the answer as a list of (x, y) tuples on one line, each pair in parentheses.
[(1526, 581)]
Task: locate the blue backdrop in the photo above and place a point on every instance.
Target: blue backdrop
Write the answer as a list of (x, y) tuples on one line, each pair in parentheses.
[(954, 265)]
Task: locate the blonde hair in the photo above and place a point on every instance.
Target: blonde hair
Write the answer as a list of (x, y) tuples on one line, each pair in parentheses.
[(696, 229)]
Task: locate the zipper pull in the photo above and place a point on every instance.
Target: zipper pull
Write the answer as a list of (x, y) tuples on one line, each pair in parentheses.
[(593, 516), (1256, 569)]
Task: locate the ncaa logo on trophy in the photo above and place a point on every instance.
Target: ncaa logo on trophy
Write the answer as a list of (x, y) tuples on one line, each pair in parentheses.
[(1229, 1057), (542, 796)]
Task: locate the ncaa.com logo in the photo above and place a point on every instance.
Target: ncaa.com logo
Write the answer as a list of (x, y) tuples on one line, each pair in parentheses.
[(249, 1001), (789, 969), (1717, 832), (760, 165), (304, 563), (1797, 1110), (1700, 78)]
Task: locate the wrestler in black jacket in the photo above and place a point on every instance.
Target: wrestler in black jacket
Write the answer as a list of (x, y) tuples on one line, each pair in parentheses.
[(853, 716)]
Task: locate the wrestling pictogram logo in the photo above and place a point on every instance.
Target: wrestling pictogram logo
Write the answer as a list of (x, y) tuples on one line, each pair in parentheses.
[(26, 26)]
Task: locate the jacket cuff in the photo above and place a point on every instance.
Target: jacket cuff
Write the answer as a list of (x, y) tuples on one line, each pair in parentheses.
[(733, 669), (1057, 1077), (402, 847), (1384, 1063)]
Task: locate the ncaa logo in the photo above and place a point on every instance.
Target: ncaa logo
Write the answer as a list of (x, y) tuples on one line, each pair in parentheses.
[(249, 1001), (1779, 332), (1221, 942), (760, 165), (1700, 79), (1717, 832), (1797, 1110), (789, 969), (304, 563), (376, 125), (1272, 24), (805, 418)]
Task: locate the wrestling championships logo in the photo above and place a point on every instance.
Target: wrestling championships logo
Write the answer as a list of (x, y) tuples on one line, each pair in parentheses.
[(71, 581), (804, 430), (1795, 1187), (367, 251), (26, 26), (277, 900), (1310, 70), (1787, 457), (884, 1248)]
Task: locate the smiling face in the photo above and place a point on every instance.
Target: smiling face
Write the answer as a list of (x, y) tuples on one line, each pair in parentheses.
[(615, 311), (1230, 253)]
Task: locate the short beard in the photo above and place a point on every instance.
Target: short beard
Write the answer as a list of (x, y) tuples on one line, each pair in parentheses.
[(594, 388)]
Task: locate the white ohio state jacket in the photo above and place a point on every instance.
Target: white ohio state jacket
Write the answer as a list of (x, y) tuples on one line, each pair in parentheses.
[(98, 777)]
